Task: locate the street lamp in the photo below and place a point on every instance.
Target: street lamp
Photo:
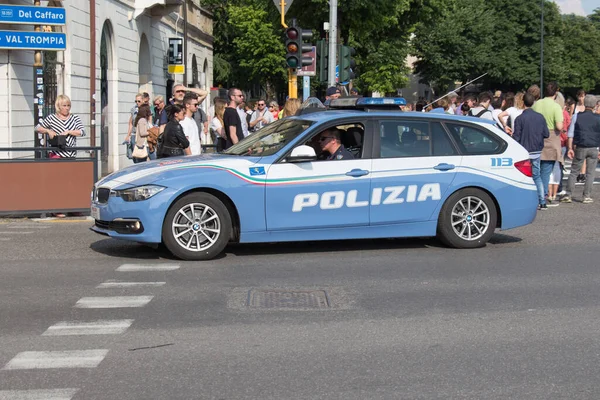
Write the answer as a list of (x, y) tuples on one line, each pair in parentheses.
[(542, 52)]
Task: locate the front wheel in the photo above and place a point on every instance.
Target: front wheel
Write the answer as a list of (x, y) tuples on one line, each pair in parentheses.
[(467, 219), (197, 227)]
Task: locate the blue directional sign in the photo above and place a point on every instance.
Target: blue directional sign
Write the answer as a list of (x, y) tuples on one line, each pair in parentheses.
[(33, 40), (32, 15)]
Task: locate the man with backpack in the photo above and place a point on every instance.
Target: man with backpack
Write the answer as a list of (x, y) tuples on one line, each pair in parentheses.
[(483, 110)]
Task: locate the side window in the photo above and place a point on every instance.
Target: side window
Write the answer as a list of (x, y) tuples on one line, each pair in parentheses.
[(442, 146), (404, 139), (351, 136), (472, 140)]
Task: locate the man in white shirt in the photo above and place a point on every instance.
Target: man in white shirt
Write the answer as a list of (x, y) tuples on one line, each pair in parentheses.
[(242, 113), (261, 116), (190, 128)]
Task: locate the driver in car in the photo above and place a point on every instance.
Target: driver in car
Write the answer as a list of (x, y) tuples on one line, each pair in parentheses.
[(330, 142)]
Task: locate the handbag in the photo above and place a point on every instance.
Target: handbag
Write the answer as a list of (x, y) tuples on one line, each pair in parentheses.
[(140, 152), (59, 141)]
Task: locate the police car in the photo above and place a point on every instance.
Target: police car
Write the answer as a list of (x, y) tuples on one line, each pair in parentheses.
[(409, 175)]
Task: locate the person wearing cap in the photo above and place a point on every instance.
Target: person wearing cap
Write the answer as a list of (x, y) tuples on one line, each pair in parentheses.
[(354, 92), (332, 93), (584, 139)]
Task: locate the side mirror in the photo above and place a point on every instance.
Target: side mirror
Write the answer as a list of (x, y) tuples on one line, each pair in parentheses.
[(302, 153)]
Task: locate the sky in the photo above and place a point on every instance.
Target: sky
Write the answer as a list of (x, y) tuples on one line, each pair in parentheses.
[(579, 7)]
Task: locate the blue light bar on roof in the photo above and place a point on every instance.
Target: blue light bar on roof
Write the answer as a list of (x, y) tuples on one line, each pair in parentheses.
[(381, 101)]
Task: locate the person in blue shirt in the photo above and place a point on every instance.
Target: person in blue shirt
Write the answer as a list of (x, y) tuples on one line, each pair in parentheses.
[(530, 131)]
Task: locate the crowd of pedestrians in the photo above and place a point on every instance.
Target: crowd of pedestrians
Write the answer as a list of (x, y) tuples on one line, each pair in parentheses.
[(548, 126), (227, 122)]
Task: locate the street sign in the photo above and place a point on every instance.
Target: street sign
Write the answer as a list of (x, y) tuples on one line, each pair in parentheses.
[(33, 40), (176, 56), (32, 15), (288, 3), (309, 70)]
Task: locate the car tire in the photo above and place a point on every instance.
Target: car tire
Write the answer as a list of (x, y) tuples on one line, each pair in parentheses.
[(197, 227), (467, 219)]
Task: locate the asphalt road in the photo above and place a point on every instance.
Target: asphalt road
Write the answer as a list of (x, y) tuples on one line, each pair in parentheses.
[(86, 317)]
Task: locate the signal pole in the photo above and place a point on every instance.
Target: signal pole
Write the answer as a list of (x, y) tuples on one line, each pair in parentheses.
[(332, 40)]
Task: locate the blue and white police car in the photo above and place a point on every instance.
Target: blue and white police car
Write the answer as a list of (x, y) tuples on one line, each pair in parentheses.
[(410, 175)]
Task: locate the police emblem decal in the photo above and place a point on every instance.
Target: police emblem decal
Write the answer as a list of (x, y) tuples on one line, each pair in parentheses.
[(257, 171)]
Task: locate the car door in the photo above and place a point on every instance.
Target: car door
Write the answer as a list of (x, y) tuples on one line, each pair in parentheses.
[(319, 193), (413, 170)]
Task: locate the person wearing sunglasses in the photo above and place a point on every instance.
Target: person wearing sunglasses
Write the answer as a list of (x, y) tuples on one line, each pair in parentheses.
[(130, 137), (331, 143), (231, 119), (261, 116)]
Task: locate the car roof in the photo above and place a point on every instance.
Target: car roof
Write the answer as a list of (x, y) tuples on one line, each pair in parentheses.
[(322, 116)]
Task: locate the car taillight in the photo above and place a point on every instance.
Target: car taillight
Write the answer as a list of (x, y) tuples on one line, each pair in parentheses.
[(525, 167)]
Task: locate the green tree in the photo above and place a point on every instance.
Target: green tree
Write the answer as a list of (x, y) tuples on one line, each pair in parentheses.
[(456, 47), (499, 37), (582, 56), (248, 46)]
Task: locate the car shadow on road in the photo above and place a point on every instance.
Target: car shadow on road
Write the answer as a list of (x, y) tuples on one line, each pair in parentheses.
[(502, 238), (328, 246), (122, 249)]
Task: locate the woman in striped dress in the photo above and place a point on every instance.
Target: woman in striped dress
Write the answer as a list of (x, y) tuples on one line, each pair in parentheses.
[(62, 123)]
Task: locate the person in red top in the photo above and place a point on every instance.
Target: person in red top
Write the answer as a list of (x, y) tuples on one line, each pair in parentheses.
[(568, 109)]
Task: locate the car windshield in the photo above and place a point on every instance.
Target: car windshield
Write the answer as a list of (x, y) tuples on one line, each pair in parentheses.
[(270, 139)]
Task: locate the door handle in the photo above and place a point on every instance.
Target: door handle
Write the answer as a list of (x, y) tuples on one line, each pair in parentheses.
[(444, 167), (357, 173)]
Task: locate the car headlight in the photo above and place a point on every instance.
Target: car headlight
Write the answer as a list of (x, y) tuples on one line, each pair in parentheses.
[(139, 193)]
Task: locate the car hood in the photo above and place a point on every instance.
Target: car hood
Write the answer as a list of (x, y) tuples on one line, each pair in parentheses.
[(150, 171)]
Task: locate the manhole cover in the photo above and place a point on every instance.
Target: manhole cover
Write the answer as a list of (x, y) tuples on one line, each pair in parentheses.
[(274, 298)]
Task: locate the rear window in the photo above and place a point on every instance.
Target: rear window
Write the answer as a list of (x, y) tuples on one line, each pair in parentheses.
[(472, 140)]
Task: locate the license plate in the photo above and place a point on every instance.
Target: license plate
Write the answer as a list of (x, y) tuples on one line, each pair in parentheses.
[(95, 212)]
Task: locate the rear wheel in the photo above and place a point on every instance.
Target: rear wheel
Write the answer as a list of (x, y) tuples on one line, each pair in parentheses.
[(467, 219), (197, 227)]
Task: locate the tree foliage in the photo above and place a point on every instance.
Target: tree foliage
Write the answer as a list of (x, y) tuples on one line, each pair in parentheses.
[(453, 40), (503, 39), (582, 53)]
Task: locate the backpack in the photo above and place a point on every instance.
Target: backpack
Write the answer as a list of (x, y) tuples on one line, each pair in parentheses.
[(479, 114)]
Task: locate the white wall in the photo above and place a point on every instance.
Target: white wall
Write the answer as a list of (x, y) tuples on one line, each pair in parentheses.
[(16, 72)]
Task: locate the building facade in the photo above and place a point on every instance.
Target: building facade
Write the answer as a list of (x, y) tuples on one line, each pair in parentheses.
[(129, 40)]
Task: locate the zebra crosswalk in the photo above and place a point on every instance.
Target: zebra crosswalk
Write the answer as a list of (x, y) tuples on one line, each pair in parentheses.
[(30, 359), (567, 172)]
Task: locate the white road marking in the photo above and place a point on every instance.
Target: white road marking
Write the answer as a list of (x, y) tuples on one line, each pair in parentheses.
[(15, 233), (100, 327), (40, 394), (113, 302), (5, 239), (57, 359), (147, 267), (119, 284), (28, 227)]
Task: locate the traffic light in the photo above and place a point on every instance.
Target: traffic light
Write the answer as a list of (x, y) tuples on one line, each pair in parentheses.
[(305, 46), (295, 46), (292, 46), (323, 56), (346, 62)]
